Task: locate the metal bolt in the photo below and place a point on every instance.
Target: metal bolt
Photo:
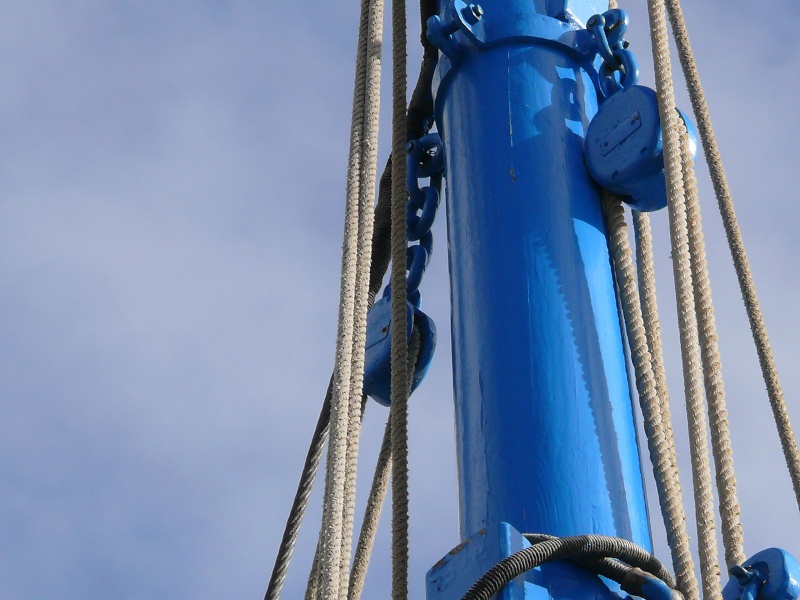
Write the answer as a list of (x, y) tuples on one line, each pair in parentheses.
[(474, 13), (742, 574)]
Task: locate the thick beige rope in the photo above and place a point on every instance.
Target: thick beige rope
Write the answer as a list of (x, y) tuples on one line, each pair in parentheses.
[(399, 382), (660, 448), (652, 324), (693, 379), (377, 494), (368, 175), (732, 231), (643, 319), (730, 510), (312, 587), (372, 513), (352, 298), (647, 293), (687, 322)]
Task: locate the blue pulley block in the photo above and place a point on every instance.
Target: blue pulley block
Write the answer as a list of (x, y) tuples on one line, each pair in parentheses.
[(772, 574), (624, 148), (378, 356)]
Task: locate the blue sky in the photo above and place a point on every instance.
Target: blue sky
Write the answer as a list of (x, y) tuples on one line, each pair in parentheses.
[(171, 195)]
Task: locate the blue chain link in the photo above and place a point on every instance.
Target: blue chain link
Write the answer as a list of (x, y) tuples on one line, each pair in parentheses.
[(424, 159), (619, 69)]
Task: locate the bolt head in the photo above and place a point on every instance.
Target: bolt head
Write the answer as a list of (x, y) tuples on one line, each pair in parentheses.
[(472, 13)]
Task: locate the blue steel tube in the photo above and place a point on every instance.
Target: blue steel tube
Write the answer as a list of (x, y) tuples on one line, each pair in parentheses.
[(545, 428)]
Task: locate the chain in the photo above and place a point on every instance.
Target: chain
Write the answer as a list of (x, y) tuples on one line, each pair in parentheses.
[(619, 69), (424, 159)]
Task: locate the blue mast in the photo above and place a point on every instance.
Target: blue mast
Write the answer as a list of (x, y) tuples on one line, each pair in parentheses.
[(545, 430)]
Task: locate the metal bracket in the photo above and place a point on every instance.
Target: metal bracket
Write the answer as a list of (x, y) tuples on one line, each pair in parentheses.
[(461, 16), (772, 574), (454, 574)]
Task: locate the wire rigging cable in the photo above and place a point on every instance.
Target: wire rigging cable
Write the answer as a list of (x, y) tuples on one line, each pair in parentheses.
[(577, 547)]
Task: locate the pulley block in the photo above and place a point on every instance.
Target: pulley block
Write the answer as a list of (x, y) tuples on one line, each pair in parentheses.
[(378, 356), (624, 148)]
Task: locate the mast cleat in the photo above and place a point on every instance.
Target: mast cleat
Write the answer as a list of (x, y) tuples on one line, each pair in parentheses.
[(624, 148)]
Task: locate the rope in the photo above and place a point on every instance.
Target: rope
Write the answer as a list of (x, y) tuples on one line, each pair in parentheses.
[(379, 266), (733, 233), (312, 587), (300, 502), (563, 548), (687, 322), (340, 475), (372, 513), (647, 310), (420, 108), (652, 325), (662, 451), (693, 380), (399, 379), (647, 294), (419, 111), (730, 510), (377, 494), (369, 158)]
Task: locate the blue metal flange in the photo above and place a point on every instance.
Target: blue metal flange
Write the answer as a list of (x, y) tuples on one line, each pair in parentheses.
[(462, 17), (624, 148), (772, 574)]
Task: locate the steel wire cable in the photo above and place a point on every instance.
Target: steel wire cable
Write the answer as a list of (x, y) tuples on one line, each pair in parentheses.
[(576, 547)]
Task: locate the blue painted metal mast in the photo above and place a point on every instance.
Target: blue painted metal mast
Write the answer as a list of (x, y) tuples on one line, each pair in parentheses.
[(545, 429)]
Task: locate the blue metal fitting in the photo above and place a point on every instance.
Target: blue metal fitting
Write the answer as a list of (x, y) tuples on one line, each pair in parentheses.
[(419, 225), (619, 68), (428, 151), (454, 574), (597, 25), (625, 76), (624, 148), (417, 263), (462, 17), (424, 158), (772, 574), (645, 585), (609, 30), (378, 355)]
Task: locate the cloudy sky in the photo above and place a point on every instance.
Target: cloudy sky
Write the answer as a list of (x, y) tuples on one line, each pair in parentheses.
[(171, 194)]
